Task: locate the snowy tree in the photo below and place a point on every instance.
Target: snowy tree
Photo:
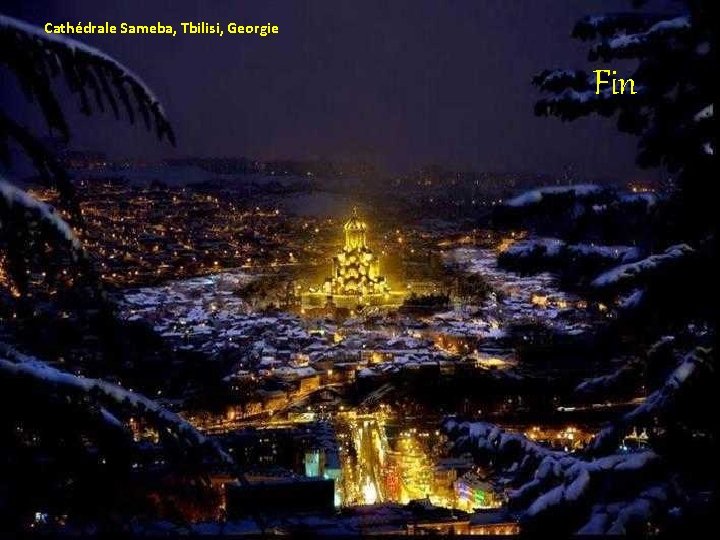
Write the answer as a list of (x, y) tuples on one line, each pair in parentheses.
[(671, 58), (672, 113), (70, 436), (99, 81), (37, 61), (667, 49), (605, 489), (45, 273), (565, 494), (664, 296), (65, 444)]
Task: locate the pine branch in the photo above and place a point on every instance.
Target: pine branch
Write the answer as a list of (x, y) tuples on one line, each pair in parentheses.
[(566, 492), (110, 398), (692, 366), (627, 275), (37, 59), (51, 171), (21, 217), (627, 374), (606, 25), (672, 78)]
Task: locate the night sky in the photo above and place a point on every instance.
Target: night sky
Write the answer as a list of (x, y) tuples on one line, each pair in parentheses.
[(400, 83)]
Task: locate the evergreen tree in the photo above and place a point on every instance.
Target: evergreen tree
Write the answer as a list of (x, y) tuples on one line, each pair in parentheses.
[(37, 60), (67, 454), (672, 113), (664, 298)]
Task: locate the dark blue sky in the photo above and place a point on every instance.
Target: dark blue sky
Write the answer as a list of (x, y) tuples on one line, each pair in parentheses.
[(402, 83)]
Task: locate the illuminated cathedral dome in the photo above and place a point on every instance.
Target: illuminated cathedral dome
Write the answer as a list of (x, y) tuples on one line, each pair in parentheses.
[(355, 278), (356, 270), (355, 224), (355, 229)]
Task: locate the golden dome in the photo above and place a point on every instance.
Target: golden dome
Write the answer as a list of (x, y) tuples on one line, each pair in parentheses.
[(355, 224)]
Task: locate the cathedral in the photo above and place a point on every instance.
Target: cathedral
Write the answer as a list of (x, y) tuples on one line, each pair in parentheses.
[(355, 270), (355, 278)]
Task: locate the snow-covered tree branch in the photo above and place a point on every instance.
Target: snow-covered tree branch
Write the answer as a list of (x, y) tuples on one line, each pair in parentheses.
[(111, 400), (617, 493), (36, 58), (674, 62)]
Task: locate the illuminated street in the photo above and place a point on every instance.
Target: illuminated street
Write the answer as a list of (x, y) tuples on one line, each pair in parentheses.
[(379, 467), (365, 461)]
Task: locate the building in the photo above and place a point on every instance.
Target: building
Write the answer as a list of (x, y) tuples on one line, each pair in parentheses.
[(355, 270), (474, 493), (355, 279)]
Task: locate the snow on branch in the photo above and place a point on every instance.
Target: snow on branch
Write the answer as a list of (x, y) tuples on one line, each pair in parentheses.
[(610, 24), (625, 45), (552, 248), (548, 247), (616, 253), (707, 113), (549, 482), (516, 451), (111, 395), (632, 300), (36, 58), (623, 517), (13, 199), (630, 272), (536, 196), (693, 365), (574, 94), (628, 372), (572, 103)]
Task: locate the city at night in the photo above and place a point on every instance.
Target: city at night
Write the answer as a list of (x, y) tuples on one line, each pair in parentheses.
[(350, 268)]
